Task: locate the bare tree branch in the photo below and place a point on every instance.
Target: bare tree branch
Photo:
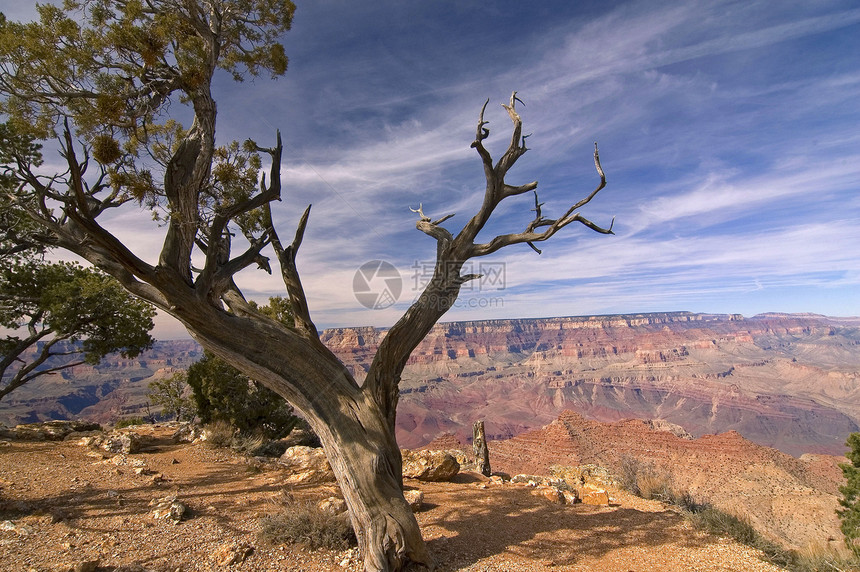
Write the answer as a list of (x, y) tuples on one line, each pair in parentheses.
[(290, 274), (452, 252)]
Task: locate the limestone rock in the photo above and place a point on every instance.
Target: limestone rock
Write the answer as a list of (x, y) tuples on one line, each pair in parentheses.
[(306, 465), (598, 497), (127, 442), (429, 465), (168, 508), (48, 430), (186, 433), (332, 505), (301, 437), (415, 498), (673, 428), (551, 494), (229, 554)]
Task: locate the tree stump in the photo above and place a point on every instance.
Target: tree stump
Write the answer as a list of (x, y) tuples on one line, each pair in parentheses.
[(479, 446)]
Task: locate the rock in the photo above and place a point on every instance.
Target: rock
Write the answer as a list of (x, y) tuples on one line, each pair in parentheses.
[(186, 433), (168, 508), (19, 529), (434, 466), (229, 554), (128, 443), (86, 566), (592, 476), (598, 497), (530, 480), (306, 465), (415, 498), (48, 430), (332, 505), (301, 437), (570, 497), (551, 494), (674, 429)]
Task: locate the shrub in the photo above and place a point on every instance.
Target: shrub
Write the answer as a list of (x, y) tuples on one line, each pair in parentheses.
[(850, 501), (128, 422), (223, 393), (171, 394), (646, 481), (303, 522)]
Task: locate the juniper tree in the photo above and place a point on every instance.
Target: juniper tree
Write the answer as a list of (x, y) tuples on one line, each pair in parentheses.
[(100, 80)]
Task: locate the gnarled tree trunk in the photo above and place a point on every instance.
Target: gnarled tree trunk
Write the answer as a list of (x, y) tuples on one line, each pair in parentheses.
[(356, 423)]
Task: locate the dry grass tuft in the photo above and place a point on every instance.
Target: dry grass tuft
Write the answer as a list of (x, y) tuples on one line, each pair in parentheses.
[(302, 522)]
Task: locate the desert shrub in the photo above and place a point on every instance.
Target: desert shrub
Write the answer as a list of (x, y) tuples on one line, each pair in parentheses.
[(849, 514), (129, 422), (823, 558), (645, 480), (302, 522), (628, 473), (171, 394), (219, 434), (222, 393), (720, 523)]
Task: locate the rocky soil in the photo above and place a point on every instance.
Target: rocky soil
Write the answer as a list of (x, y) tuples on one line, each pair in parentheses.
[(65, 506)]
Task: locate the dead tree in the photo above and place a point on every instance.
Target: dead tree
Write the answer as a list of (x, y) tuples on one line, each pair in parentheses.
[(355, 423), (479, 447)]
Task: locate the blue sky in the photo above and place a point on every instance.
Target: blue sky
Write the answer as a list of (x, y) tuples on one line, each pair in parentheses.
[(728, 132)]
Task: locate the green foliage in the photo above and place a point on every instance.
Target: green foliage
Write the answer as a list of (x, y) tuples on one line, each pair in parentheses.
[(850, 501), (117, 70), (18, 232), (170, 394), (223, 393), (129, 422), (111, 66), (43, 304)]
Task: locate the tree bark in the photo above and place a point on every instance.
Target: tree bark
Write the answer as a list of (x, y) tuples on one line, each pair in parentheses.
[(354, 429), (479, 447), (356, 424)]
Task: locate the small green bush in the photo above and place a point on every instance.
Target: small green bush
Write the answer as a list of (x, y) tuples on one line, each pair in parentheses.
[(223, 393), (850, 501), (129, 422), (171, 394)]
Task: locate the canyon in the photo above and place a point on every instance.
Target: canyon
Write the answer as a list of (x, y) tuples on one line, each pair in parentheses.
[(788, 381)]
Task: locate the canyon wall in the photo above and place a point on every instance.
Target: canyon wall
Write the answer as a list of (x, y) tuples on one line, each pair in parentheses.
[(786, 381)]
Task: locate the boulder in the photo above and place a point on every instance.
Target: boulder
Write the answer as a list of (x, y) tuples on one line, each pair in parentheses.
[(48, 430), (597, 497), (551, 494), (186, 433), (434, 466), (116, 442), (306, 465), (303, 437), (229, 554)]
